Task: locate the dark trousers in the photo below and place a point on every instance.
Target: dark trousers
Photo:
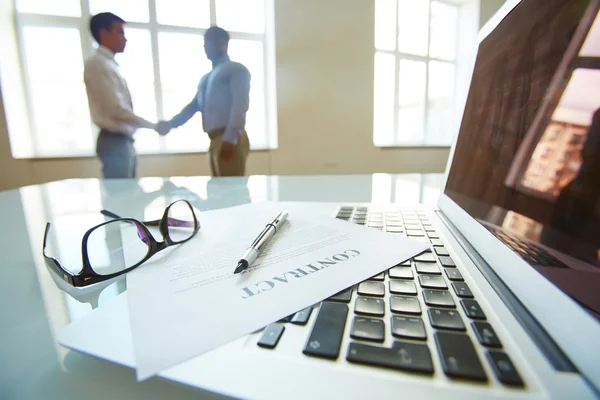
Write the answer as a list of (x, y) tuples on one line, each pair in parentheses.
[(117, 154)]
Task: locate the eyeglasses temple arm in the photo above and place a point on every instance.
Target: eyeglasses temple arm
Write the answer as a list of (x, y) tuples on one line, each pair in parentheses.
[(156, 222), (46, 232), (64, 274), (170, 222), (109, 214)]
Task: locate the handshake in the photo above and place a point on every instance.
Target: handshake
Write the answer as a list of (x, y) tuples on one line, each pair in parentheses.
[(163, 127)]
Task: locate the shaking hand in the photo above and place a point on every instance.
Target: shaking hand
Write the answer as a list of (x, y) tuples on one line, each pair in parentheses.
[(163, 127)]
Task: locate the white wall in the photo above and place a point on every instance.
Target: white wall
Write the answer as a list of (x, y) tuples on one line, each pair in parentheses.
[(487, 9), (324, 76)]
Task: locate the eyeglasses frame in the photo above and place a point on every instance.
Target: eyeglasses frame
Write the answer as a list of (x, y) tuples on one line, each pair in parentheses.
[(87, 276)]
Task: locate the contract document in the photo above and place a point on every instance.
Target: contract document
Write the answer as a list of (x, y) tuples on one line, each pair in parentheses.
[(189, 302)]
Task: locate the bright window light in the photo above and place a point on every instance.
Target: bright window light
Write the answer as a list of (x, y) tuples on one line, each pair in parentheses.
[(415, 71)]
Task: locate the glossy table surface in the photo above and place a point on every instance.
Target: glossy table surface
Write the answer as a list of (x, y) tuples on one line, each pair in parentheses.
[(35, 307)]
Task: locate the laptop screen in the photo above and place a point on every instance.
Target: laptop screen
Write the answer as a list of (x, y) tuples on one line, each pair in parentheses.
[(527, 160)]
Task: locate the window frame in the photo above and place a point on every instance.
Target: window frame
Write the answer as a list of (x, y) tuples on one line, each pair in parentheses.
[(398, 56), (81, 23)]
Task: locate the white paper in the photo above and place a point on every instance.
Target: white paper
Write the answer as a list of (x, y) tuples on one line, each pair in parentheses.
[(189, 302)]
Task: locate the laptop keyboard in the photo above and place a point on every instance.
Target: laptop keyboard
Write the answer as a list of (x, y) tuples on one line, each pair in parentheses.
[(412, 307)]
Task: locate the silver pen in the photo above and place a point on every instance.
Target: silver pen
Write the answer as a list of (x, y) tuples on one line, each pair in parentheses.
[(252, 252)]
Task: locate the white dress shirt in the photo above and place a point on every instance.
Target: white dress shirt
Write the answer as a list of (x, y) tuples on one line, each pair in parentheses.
[(108, 96)]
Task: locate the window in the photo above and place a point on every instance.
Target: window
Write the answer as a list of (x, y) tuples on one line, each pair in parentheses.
[(163, 63), (416, 47)]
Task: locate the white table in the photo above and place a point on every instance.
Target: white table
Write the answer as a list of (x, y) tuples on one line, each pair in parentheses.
[(34, 309)]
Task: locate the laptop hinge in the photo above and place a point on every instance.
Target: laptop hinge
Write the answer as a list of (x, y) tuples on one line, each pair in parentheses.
[(549, 348)]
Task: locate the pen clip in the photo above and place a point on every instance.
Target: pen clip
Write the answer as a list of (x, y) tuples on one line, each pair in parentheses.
[(279, 219)]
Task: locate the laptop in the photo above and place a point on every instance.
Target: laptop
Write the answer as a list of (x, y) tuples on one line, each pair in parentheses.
[(506, 302)]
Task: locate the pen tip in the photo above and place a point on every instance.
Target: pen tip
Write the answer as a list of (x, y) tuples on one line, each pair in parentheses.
[(240, 267)]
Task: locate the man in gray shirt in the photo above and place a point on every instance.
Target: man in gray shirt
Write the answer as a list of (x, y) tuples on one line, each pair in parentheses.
[(223, 99)]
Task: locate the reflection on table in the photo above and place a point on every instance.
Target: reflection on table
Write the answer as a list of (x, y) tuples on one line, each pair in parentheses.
[(73, 206)]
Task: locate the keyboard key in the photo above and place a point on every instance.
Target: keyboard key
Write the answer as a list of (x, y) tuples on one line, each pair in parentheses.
[(371, 289), (403, 264), (434, 282), (405, 305), (343, 297), (441, 251), (327, 332), (462, 290), (368, 329), (427, 268), (432, 234), (401, 273), (394, 229), (425, 257), (504, 369), (436, 242), (458, 356), (302, 316), (344, 213), (486, 334), (369, 306), (408, 327), (447, 262), (378, 277), (397, 234), (286, 319), (405, 356), (446, 319), (271, 335), (472, 309), (453, 274), (402, 287), (394, 221), (438, 298)]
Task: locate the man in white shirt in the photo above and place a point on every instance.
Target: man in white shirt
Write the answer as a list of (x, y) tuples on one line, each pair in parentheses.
[(223, 99), (110, 101)]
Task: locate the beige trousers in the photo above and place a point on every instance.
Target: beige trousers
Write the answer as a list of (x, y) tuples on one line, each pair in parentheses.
[(236, 165)]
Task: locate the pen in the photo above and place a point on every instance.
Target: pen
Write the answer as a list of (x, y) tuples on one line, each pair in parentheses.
[(252, 252)]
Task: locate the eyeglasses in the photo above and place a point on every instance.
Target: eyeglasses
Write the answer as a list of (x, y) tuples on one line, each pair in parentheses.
[(117, 246)]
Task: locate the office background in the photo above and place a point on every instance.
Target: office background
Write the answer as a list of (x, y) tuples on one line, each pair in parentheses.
[(324, 82)]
